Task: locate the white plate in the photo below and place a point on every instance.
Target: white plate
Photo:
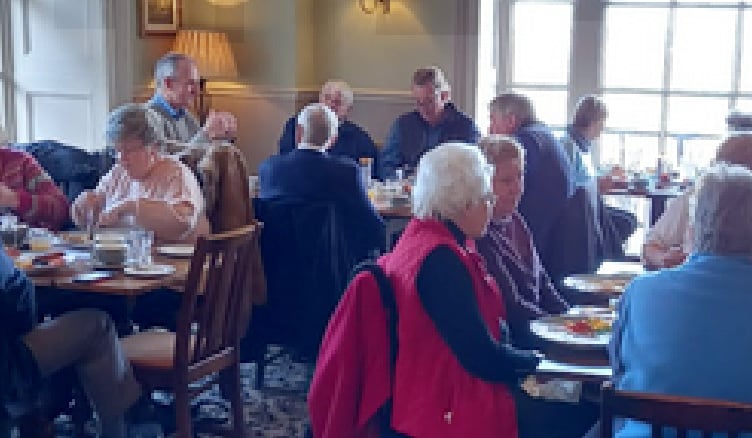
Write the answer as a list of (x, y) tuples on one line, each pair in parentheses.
[(553, 329), (176, 251), (149, 271), (613, 284)]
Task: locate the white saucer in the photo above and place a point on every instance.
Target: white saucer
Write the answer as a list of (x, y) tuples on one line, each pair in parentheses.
[(149, 270), (176, 250)]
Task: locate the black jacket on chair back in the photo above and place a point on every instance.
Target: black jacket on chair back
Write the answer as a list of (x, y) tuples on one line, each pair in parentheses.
[(307, 261)]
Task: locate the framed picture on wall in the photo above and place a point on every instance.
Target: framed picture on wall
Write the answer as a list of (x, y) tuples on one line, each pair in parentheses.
[(158, 17)]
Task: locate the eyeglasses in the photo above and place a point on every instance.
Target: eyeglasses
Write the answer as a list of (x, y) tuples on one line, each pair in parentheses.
[(428, 102), (119, 153)]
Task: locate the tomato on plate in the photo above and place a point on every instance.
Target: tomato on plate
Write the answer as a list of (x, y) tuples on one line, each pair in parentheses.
[(579, 327)]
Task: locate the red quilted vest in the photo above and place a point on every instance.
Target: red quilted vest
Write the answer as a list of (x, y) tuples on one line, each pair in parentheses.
[(433, 395)]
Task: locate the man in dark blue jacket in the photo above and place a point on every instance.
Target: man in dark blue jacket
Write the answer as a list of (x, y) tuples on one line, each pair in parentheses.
[(549, 180), (352, 141), (434, 121), (309, 174), (84, 339)]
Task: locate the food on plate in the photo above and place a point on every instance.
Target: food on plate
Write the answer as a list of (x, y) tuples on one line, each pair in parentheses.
[(53, 260), (588, 326), (77, 238), (31, 262), (23, 263)]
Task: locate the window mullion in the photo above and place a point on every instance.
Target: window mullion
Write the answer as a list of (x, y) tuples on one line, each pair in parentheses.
[(505, 34), (7, 105), (736, 84), (667, 58)]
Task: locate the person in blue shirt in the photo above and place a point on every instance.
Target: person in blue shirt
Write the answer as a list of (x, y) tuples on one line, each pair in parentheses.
[(176, 79), (686, 330), (85, 340), (352, 141), (613, 225), (435, 120)]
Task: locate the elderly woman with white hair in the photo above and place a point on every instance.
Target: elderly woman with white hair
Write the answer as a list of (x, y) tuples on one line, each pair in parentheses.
[(154, 191), (686, 331), (352, 141), (454, 365)]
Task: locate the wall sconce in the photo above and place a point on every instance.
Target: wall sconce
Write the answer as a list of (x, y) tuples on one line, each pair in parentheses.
[(374, 4)]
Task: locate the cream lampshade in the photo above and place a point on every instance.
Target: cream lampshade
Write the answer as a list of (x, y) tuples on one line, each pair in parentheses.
[(213, 55)]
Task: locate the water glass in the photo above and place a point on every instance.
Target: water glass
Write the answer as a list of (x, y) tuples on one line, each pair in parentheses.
[(8, 227), (141, 242), (8, 221)]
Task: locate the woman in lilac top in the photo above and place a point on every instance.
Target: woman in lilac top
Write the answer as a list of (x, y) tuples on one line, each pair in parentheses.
[(527, 291), (508, 246)]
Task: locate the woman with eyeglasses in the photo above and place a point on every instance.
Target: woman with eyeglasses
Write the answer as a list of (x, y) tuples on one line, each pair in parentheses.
[(528, 292), (154, 191), (508, 246), (454, 366)]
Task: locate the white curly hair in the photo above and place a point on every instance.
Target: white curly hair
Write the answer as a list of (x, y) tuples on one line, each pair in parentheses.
[(450, 177)]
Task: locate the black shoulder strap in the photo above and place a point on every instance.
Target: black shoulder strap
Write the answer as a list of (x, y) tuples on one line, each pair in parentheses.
[(390, 309), (387, 300)]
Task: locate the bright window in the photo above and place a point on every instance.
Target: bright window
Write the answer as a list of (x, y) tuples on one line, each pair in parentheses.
[(670, 71), (534, 62), (630, 58)]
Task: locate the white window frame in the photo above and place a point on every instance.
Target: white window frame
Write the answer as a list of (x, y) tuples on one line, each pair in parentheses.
[(586, 56), (7, 112)]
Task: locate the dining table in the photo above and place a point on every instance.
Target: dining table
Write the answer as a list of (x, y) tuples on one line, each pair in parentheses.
[(396, 217), (576, 344), (118, 283), (603, 286), (571, 355), (658, 197)]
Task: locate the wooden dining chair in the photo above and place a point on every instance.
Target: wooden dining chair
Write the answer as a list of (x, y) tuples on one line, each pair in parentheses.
[(683, 414), (208, 332)]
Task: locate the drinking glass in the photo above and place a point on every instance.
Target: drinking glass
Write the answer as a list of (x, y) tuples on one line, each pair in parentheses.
[(8, 226), (39, 239), (141, 242), (366, 167), (147, 241)]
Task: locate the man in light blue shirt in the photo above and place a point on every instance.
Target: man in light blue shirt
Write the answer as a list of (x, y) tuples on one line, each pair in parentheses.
[(686, 330)]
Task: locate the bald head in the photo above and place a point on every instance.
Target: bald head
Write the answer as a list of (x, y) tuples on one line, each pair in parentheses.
[(736, 149), (317, 126)]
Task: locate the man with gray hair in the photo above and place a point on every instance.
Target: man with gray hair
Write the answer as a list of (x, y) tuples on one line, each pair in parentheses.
[(435, 120), (352, 140), (686, 331), (176, 82), (309, 174), (549, 180)]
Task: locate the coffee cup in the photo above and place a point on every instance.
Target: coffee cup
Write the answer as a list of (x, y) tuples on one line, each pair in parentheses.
[(111, 253), (14, 236)]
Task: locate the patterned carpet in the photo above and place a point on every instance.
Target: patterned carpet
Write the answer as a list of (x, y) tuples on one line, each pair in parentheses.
[(276, 411)]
